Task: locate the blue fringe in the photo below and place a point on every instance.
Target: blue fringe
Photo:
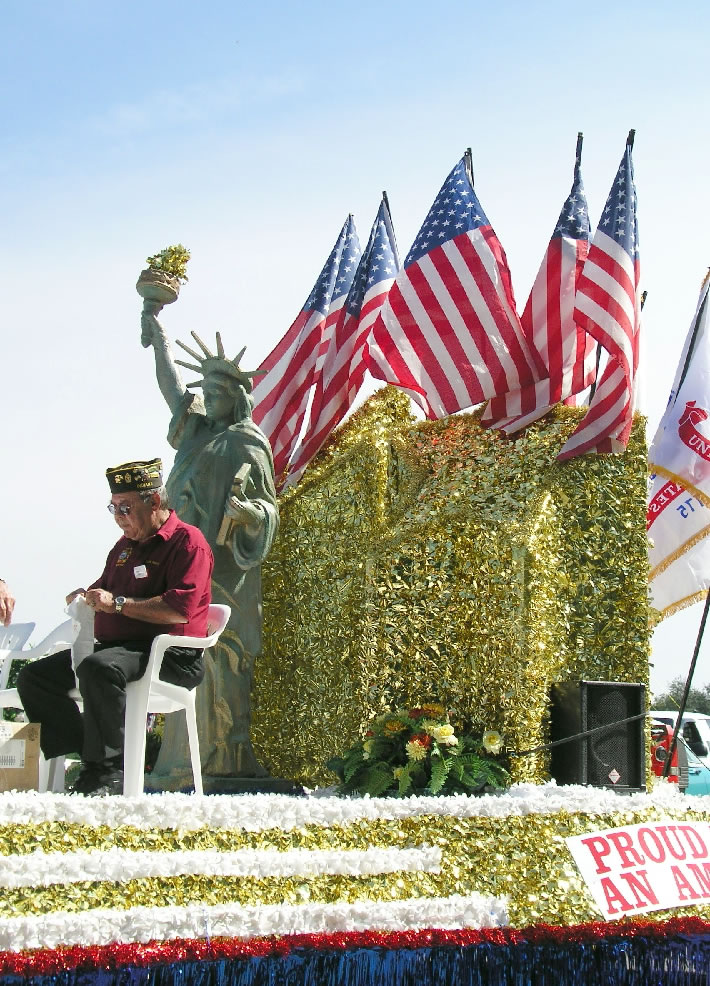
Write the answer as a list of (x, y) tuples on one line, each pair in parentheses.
[(679, 961)]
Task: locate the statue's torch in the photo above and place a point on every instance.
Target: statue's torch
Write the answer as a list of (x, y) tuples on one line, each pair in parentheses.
[(159, 284), (157, 289)]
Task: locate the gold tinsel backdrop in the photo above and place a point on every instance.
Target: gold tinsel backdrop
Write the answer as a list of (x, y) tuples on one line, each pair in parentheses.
[(440, 560)]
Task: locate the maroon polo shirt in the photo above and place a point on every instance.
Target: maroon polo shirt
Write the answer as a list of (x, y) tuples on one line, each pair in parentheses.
[(175, 564)]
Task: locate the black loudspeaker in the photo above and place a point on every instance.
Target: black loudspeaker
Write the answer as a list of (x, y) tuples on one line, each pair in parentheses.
[(614, 757)]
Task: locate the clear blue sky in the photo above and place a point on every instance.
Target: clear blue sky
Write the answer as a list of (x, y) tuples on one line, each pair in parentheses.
[(248, 132)]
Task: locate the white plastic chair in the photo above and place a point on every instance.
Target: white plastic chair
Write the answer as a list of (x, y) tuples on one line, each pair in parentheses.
[(51, 773), (150, 694), (12, 639), (59, 639)]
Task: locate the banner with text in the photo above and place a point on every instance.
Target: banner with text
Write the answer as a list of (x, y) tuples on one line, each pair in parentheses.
[(647, 867)]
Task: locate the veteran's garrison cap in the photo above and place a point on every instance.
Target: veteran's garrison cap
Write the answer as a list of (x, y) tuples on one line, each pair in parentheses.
[(136, 477)]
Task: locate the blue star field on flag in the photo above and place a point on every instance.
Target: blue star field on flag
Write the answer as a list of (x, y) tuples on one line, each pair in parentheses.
[(456, 209)]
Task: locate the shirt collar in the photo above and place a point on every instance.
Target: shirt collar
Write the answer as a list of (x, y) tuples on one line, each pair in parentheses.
[(168, 529)]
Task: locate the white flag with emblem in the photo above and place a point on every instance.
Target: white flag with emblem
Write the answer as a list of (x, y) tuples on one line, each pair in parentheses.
[(678, 518)]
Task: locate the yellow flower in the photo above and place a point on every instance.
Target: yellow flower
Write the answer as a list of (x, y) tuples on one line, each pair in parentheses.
[(433, 709), (492, 741), (397, 772), (415, 750), (393, 726)]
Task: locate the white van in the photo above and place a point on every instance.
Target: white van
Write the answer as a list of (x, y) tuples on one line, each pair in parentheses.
[(695, 730)]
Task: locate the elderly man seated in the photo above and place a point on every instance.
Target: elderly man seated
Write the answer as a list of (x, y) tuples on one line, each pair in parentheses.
[(156, 580)]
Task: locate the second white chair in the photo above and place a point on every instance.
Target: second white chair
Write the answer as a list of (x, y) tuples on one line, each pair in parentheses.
[(51, 772)]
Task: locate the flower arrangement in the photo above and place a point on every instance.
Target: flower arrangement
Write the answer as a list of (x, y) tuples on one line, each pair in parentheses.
[(416, 751), (172, 260)]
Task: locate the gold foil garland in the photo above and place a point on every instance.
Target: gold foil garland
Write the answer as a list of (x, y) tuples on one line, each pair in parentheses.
[(441, 560)]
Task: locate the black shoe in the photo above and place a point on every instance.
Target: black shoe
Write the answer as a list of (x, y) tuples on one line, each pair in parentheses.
[(97, 779), (108, 782), (86, 778)]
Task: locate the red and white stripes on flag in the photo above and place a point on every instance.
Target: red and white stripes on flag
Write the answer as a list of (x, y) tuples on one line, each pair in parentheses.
[(548, 321), (344, 366), (281, 393), (607, 307), (449, 333)]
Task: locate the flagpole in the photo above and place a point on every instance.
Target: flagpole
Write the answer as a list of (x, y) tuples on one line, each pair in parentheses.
[(577, 166), (691, 344), (684, 700), (391, 228), (468, 157)]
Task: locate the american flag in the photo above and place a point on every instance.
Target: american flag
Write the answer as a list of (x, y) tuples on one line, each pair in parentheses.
[(607, 306), (281, 393), (344, 367), (449, 333), (548, 323)]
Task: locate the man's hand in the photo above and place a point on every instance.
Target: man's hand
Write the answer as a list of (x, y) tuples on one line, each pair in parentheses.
[(246, 513), (101, 600), (72, 595), (7, 604)]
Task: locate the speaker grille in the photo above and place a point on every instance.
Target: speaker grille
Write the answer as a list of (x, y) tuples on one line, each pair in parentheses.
[(614, 757)]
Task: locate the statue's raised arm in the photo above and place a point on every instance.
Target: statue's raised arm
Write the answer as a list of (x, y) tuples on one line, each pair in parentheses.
[(159, 285), (169, 379)]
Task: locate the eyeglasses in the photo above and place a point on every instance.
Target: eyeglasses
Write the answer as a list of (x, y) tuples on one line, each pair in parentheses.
[(119, 508)]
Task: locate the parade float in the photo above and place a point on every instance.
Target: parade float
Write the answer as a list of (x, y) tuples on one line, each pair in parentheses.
[(437, 592), (425, 561)]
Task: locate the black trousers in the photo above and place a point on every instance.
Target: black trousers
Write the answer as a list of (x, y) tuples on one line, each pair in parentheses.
[(101, 678)]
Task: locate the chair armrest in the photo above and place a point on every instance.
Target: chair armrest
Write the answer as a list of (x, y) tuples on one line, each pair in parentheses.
[(58, 639), (175, 641), (165, 640), (218, 617)]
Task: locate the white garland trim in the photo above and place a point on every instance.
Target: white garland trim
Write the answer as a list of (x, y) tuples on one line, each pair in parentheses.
[(258, 812), (144, 924), (43, 869)]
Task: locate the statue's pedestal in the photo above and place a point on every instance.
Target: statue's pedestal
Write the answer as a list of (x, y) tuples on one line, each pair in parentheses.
[(181, 780), (250, 785)]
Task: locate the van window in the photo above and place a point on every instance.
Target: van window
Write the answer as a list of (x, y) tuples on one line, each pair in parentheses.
[(694, 740)]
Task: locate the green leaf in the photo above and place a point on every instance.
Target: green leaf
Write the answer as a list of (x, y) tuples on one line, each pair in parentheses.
[(457, 769), (440, 769), (379, 778), (352, 766), (336, 764)]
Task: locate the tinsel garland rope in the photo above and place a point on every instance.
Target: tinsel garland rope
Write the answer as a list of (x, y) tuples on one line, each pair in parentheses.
[(260, 812), (45, 869), (56, 960), (142, 924)]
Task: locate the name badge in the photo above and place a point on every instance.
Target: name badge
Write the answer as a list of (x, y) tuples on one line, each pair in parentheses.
[(140, 572)]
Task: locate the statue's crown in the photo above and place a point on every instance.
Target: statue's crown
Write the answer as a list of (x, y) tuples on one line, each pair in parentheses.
[(209, 363)]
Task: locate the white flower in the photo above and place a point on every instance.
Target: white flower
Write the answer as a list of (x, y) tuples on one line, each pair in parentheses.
[(492, 741), (444, 734)]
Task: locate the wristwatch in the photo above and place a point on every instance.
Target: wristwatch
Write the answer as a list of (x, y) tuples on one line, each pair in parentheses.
[(119, 602)]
